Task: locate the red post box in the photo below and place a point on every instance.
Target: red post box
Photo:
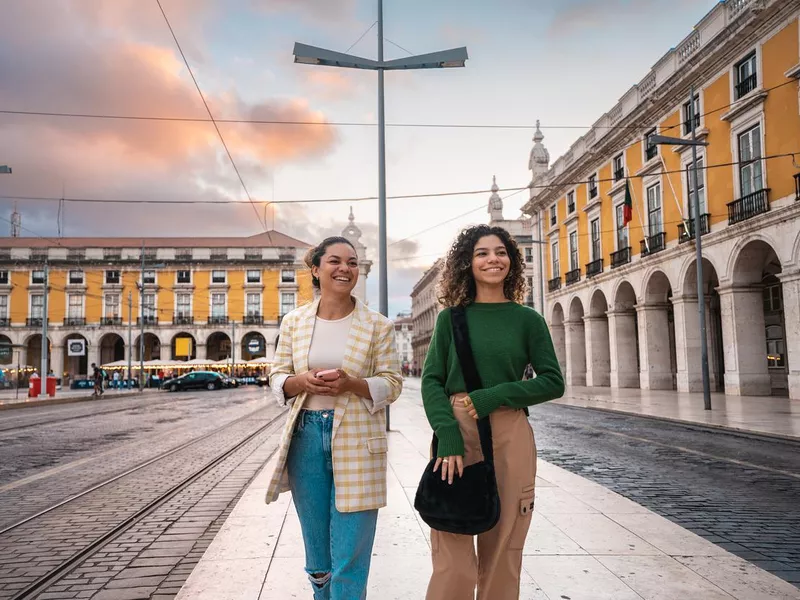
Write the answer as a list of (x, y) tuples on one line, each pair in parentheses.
[(51, 387), (34, 387)]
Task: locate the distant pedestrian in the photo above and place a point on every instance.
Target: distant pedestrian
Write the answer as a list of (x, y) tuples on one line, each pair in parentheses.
[(484, 277), (97, 375), (333, 451), (116, 379)]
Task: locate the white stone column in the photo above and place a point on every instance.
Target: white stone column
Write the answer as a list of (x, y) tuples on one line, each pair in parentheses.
[(622, 346), (791, 318), (687, 343), (560, 344), (655, 372), (93, 354), (200, 351), (57, 359), (745, 349), (598, 359), (576, 353)]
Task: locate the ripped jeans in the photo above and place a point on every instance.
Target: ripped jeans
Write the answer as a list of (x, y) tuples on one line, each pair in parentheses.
[(338, 545)]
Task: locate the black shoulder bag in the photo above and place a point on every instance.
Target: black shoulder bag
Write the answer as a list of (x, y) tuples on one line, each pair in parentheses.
[(470, 505)]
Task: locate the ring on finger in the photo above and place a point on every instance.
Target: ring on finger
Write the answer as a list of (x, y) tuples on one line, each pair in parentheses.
[(445, 460)]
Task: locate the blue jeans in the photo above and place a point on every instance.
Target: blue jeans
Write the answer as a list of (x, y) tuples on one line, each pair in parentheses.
[(338, 545)]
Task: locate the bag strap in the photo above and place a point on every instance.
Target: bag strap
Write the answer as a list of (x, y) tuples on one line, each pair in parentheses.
[(458, 318)]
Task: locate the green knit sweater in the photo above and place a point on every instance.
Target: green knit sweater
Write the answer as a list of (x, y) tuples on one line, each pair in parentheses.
[(505, 338)]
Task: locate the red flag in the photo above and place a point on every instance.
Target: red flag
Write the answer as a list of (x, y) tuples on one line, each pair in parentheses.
[(627, 210)]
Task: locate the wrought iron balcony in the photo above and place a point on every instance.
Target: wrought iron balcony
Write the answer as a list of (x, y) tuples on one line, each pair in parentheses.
[(74, 321), (5, 322), (797, 186), (217, 255), (748, 206), (685, 236), (554, 284), (573, 277), (620, 257), (183, 255), (33, 322), (218, 320), (253, 320), (654, 243), (619, 174), (252, 254), (651, 152), (111, 321), (147, 320), (746, 86), (594, 268), (182, 320), (112, 253)]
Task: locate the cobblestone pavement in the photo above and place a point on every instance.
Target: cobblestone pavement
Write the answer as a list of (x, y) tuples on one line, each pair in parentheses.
[(738, 492), (155, 555)]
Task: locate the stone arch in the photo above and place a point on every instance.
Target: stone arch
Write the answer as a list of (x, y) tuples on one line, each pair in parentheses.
[(33, 351), (557, 313), (174, 347), (754, 321), (218, 346), (598, 352), (687, 280), (796, 251), (623, 334), (111, 347), (656, 288), (624, 296), (576, 343), (557, 332), (656, 322), (7, 354), (739, 247), (598, 306), (152, 347), (248, 349)]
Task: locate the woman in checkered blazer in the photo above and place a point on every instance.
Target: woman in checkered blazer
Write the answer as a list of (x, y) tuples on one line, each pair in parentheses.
[(332, 453)]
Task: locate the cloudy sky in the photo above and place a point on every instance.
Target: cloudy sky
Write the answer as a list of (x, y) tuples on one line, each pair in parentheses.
[(565, 62)]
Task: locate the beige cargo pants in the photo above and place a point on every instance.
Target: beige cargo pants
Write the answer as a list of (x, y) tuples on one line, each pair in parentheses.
[(496, 568)]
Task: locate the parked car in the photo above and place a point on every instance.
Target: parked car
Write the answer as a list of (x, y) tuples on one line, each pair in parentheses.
[(262, 380), (230, 382), (195, 380)]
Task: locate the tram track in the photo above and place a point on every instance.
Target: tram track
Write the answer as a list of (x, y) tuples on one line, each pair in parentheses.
[(64, 554)]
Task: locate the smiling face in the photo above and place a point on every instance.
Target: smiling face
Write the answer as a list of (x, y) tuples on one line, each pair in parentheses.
[(490, 261), (338, 270)]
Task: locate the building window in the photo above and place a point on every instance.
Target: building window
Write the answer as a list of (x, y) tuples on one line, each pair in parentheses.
[(149, 277), (37, 277), (184, 305), (37, 306), (217, 305), (528, 255), (287, 276), (75, 306), (3, 277), (553, 215), (253, 276), (184, 277), (622, 230), (217, 276), (650, 149), (687, 115), (746, 75), (556, 262), (253, 305), (750, 175), (618, 165), (112, 277), (4, 306), (287, 303), (595, 229), (701, 188), (112, 306), (654, 210), (149, 306), (593, 186), (76, 277), (570, 203), (573, 251)]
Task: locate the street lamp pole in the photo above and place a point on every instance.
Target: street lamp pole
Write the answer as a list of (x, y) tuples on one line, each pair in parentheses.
[(312, 55), (695, 223)]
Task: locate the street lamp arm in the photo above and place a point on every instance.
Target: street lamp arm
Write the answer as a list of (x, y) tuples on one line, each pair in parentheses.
[(312, 55), (675, 141), (454, 57)]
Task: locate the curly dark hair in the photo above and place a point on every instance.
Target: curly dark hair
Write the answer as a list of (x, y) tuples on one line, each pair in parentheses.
[(457, 284), (313, 257)]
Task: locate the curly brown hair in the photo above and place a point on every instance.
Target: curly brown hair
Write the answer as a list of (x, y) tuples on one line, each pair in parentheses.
[(457, 284)]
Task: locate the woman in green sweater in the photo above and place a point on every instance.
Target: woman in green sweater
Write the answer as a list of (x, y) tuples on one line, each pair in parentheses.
[(484, 274)]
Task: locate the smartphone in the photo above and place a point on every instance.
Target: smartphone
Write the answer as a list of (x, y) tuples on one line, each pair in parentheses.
[(329, 375)]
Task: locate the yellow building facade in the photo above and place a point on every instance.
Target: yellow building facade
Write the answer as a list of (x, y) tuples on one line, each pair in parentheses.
[(621, 298), (194, 298)]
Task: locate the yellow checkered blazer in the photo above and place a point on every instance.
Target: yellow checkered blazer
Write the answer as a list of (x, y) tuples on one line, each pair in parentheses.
[(359, 438)]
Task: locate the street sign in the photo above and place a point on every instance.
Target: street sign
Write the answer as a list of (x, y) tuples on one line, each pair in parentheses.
[(254, 346), (183, 346), (76, 347), (5, 351)]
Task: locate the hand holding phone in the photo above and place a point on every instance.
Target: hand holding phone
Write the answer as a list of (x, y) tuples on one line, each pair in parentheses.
[(329, 375)]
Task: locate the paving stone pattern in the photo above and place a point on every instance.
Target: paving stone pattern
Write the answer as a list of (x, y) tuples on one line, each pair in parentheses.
[(32, 549), (691, 476)]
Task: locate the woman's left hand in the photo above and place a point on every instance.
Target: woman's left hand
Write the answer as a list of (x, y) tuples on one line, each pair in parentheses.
[(471, 410), (340, 386)]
